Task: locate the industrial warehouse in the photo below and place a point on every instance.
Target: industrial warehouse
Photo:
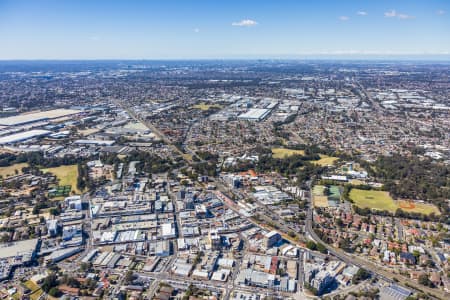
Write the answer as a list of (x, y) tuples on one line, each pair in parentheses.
[(23, 136), (37, 116)]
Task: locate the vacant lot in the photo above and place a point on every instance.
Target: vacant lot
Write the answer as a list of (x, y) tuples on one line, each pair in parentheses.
[(378, 200), (6, 172), (282, 152), (204, 106), (67, 175)]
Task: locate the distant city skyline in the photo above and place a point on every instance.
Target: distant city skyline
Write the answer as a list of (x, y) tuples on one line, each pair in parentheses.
[(223, 30)]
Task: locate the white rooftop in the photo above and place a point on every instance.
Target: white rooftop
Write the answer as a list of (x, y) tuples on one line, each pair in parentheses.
[(22, 136), (37, 116), (255, 114)]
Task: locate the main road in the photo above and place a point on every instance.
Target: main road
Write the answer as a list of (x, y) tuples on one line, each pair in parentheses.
[(186, 156)]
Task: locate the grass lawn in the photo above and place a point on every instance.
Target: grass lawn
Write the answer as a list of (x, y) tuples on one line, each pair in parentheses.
[(320, 201), (36, 295), (204, 106), (36, 290), (357, 182), (325, 160), (67, 175), (17, 296), (8, 171), (31, 285), (318, 190), (373, 199), (283, 152)]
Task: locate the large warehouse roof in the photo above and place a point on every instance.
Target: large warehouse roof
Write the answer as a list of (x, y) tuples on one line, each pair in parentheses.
[(22, 136), (95, 142), (37, 116), (14, 248), (255, 114)]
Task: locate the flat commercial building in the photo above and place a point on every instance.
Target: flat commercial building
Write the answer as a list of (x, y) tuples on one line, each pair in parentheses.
[(394, 292), (95, 142), (162, 248), (255, 114), (167, 231), (256, 278), (16, 254), (37, 116), (61, 254), (25, 248), (23, 136)]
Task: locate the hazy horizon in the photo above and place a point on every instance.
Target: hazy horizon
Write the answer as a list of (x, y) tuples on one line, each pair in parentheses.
[(425, 58)]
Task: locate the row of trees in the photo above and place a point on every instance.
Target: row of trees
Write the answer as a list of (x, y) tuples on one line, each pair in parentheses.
[(37, 159), (288, 165), (316, 246), (52, 281), (149, 162), (83, 180)]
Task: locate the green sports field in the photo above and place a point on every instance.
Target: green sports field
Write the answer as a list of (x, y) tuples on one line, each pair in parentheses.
[(382, 201), (67, 175), (373, 199)]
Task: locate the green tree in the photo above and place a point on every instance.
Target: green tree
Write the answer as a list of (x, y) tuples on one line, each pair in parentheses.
[(424, 280), (54, 292), (361, 275), (321, 248), (129, 277), (311, 245), (49, 282)]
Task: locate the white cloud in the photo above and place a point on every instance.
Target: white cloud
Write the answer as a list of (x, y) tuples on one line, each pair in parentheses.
[(245, 23), (344, 18), (394, 14), (390, 14), (362, 13), (196, 30), (440, 12), (405, 16), (94, 38)]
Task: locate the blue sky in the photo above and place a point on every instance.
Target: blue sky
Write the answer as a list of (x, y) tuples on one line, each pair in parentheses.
[(188, 29)]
